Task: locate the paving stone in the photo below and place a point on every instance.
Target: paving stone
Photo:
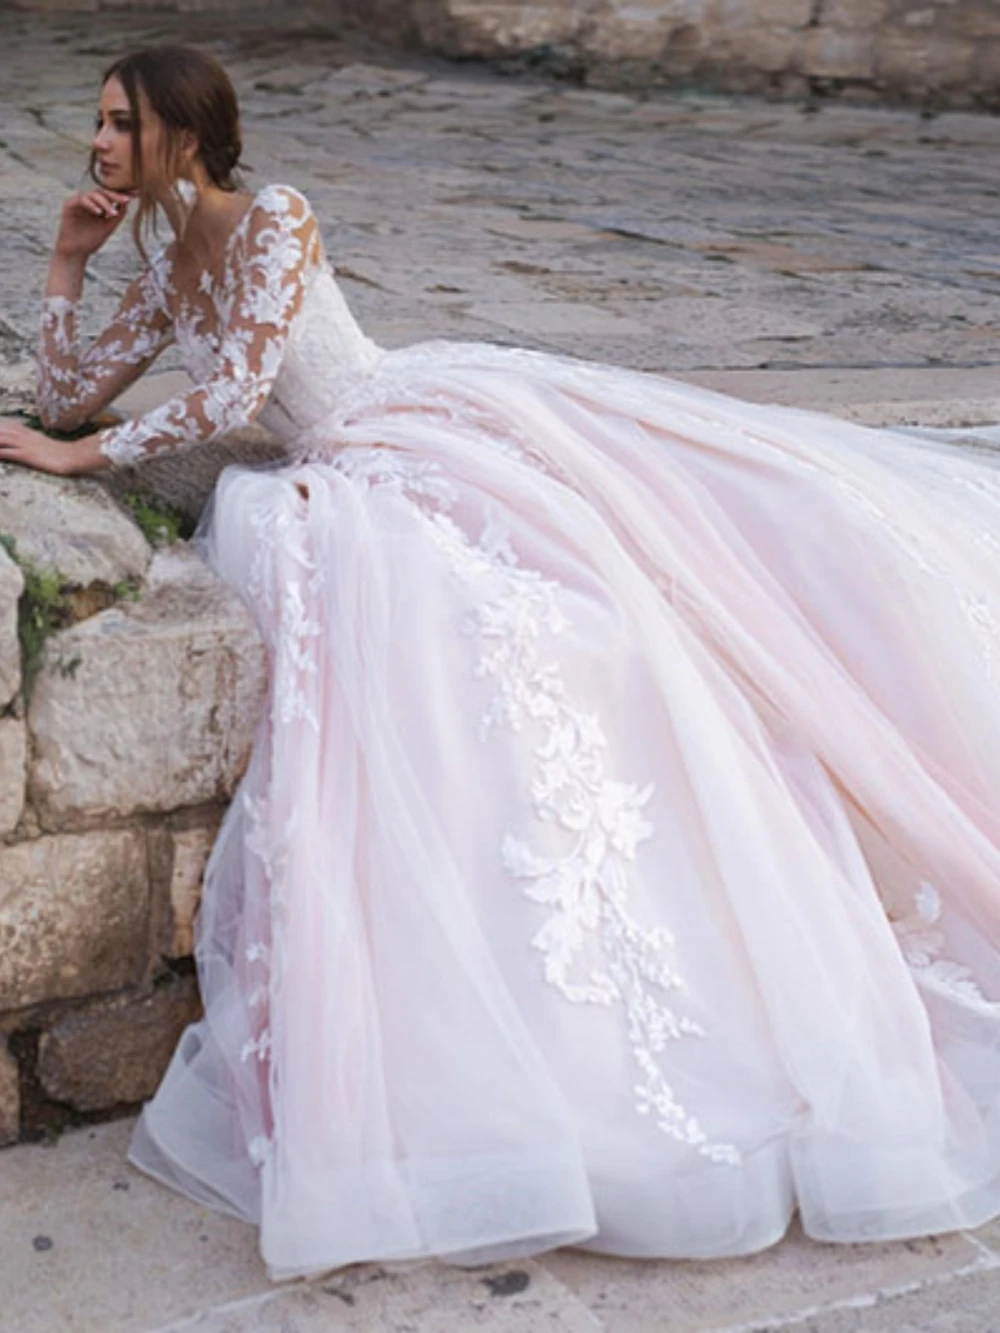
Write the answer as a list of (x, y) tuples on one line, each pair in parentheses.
[(432, 1298), (969, 1305), (90, 1245), (797, 1275)]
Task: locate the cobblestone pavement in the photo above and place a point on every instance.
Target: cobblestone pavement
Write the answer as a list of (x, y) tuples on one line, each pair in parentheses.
[(841, 258), (741, 243)]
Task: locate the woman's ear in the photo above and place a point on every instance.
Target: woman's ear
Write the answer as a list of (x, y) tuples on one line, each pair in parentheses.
[(189, 147)]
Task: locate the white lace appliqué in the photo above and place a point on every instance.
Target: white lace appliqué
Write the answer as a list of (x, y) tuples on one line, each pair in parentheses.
[(587, 889), (74, 385), (239, 330), (923, 942)]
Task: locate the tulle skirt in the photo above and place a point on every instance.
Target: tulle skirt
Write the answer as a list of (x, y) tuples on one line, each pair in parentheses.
[(618, 863)]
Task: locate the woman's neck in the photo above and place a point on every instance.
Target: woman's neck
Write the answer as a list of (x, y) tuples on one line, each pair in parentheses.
[(203, 227)]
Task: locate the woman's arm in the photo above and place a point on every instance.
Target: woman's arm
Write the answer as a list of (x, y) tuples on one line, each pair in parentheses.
[(281, 250), (75, 386)]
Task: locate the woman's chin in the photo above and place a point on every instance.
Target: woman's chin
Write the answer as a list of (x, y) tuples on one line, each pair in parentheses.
[(114, 179)]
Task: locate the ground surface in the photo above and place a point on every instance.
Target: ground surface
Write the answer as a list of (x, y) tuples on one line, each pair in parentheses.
[(847, 259)]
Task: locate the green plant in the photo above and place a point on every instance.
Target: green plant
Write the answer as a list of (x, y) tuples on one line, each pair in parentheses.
[(126, 591), (160, 525), (42, 609)]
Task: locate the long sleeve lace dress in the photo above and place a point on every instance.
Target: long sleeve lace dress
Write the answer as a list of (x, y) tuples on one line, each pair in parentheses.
[(619, 860)]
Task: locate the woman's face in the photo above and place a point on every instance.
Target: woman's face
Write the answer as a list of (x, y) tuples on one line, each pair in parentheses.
[(112, 142)]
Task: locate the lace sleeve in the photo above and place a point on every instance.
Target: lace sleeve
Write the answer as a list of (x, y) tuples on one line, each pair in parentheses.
[(278, 253), (72, 385)]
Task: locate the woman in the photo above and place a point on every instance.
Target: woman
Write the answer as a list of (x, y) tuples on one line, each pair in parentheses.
[(618, 863)]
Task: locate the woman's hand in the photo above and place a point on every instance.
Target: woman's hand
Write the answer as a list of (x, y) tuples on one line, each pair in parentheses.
[(63, 458), (88, 219)]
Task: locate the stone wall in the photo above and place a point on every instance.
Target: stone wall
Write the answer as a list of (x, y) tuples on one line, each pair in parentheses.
[(116, 759), (946, 51), (938, 52)]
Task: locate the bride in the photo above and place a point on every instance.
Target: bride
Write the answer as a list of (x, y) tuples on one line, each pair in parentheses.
[(619, 859)]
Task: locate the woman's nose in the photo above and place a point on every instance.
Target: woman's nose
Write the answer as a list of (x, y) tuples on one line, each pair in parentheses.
[(100, 138)]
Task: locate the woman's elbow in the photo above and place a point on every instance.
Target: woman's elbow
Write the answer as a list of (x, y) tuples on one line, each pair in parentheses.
[(55, 415)]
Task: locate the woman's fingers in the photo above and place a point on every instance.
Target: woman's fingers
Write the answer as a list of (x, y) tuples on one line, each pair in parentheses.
[(101, 203)]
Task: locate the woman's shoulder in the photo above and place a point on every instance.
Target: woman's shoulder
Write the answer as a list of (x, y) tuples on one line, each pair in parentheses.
[(282, 201)]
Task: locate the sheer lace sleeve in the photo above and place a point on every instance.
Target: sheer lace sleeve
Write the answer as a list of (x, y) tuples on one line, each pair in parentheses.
[(72, 385), (278, 251)]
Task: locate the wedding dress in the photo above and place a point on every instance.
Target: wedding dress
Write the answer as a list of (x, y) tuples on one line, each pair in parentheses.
[(618, 863)]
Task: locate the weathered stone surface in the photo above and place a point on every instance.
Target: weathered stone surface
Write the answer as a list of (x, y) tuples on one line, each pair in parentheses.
[(916, 49), (118, 1052), (73, 916), (829, 53), (13, 754), (184, 857), (10, 1097), (149, 705), (11, 583), (72, 526)]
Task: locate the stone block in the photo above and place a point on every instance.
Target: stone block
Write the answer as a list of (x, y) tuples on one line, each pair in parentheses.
[(180, 858), (978, 22), (10, 1098), (855, 15), (71, 526), (757, 51), (74, 916), (785, 1287), (763, 14), (493, 28), (920, 63), (640, 37), (117, 1052), (830, 54), (11, 584), (148, 706), (13, 757)]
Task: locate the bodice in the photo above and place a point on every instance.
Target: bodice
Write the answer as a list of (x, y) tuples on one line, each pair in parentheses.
[(325, 354)]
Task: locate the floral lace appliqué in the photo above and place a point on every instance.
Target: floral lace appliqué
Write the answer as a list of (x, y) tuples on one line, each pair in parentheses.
[(73, 385), (923, 942), (589, 926)]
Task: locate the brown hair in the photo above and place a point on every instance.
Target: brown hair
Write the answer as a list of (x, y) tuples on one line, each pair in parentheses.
[(189, 91)]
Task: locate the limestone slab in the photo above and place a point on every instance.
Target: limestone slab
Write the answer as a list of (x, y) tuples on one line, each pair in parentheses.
[(72, 526), (432, 1298), (90, 1245), (13, 757), (966, 1305), (794, 1277), (11, 584), (117, 1052), (160, 706), (73, 916)]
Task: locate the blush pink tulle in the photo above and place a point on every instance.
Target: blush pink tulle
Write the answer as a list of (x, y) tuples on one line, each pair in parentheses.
[(619, 859)]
